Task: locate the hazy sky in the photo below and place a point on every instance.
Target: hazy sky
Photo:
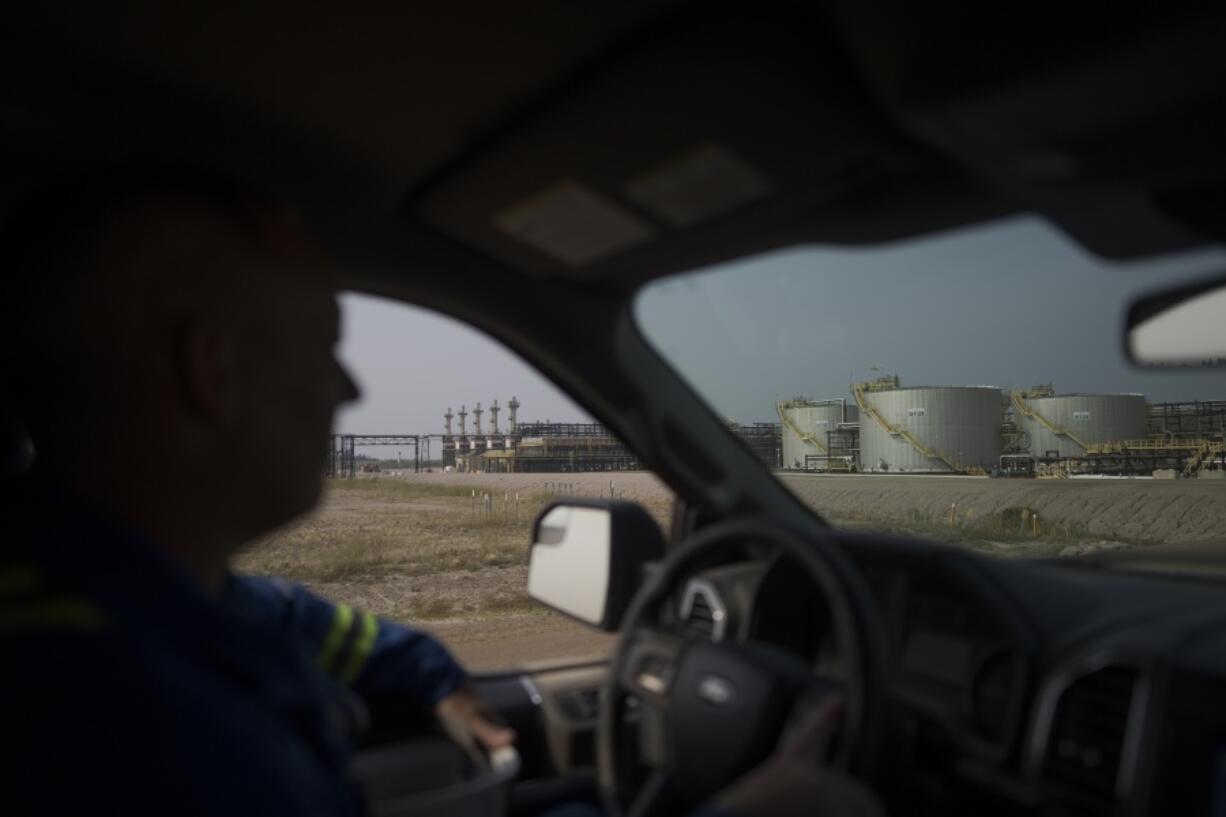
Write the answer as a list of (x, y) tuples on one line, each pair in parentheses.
[(1012, 304), (411, 364)]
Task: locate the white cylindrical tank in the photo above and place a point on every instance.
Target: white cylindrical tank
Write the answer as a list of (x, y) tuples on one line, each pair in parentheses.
[(941, 429), (805, 423), (1088, 418)]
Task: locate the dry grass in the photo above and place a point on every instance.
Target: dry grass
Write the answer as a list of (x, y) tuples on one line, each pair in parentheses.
[(423, 547), (413, 550), (366, 529), (1024, 517)]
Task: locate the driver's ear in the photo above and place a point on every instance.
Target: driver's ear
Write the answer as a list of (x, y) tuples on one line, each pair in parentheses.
[(208, 368)]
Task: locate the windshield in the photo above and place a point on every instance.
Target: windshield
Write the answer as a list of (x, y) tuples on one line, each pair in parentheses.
[(969, 387)]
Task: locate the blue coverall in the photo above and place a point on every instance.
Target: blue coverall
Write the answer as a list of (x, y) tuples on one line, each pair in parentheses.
[(128, 690)]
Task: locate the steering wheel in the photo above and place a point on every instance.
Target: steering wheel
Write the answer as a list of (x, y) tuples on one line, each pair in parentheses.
[(707, 712)]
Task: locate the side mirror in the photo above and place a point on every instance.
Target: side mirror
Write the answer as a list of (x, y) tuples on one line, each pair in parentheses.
[(1184, 326), (588, 555)]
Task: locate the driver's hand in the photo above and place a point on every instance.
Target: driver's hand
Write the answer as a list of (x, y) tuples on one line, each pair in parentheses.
[(469, 723), (794, 781)]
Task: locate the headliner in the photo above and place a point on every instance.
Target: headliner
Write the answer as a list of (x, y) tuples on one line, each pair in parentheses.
[(856, 122)]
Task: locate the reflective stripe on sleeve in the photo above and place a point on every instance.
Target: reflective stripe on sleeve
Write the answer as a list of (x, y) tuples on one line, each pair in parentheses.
[(362, 647), (27, 604), (17, 580), (341, 622), (51, 613)]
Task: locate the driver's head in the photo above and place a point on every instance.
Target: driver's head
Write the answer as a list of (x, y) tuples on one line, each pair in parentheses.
[(172, 342)]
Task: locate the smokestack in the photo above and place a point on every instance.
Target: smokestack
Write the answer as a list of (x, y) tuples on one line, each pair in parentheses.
[(477, 412), (514, 407), (463, 415), (494, 418), (447, 420)]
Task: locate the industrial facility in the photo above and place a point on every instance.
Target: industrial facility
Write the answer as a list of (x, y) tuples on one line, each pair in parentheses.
[(470, 443), (982, 430), (882, 427), (528, 447), (819, 435), (548, 447)]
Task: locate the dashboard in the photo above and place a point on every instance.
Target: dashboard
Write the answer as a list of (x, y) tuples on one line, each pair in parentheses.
[(1021, 687)]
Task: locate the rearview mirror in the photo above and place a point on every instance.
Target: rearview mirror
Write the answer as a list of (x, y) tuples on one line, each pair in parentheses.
[(587, 557), (1183, 326)]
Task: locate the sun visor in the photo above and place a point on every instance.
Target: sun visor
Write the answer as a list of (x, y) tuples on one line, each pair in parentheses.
[(1055, 110), (720, 135)]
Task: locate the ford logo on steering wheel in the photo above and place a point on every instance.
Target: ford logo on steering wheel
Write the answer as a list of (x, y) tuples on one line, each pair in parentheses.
[(716, 691)]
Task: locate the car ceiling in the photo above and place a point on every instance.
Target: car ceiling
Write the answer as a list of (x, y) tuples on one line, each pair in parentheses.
[(615, 142)]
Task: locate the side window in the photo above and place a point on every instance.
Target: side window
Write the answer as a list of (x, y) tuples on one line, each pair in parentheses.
[(433, 479)]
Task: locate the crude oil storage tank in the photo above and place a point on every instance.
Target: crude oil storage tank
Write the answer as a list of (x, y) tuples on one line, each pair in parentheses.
[(810, 427), (1067, 423), (928, 429)]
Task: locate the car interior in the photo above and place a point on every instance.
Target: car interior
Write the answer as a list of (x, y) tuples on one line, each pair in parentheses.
[(526, 168)]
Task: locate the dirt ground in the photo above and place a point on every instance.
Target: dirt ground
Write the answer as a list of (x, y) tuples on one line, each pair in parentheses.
[(448, 552), (1026, 517), (518, 641)]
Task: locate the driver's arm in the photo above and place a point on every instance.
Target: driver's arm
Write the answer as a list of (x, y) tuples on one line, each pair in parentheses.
[(359, 650), (372, 656)]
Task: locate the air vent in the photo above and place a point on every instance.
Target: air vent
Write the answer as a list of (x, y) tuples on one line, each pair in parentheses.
[(702, 610), (1081, 766), (701, 617)]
